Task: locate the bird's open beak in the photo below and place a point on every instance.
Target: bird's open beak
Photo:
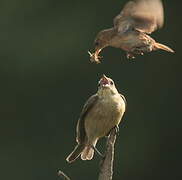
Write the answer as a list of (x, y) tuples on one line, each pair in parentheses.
[(97, 52), (104, 81)]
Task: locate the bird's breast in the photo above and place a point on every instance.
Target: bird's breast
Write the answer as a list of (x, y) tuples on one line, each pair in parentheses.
[(106, 114)]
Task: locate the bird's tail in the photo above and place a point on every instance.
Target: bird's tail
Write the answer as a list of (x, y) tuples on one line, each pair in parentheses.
[(76, 153), (88, 152), (163, 47)]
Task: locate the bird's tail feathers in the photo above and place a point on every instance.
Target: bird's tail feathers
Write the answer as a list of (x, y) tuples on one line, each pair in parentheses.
[(163, 47), (76, 153), (87, 153)]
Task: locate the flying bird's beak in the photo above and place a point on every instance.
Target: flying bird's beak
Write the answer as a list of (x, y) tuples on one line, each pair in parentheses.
[(97, 52), (94, 57)]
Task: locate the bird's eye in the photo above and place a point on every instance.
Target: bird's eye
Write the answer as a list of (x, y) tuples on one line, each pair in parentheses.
[(96, 43), (111, 82), (98, 84)]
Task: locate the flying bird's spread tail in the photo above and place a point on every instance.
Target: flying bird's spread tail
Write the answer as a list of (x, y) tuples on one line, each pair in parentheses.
[(163, 47)]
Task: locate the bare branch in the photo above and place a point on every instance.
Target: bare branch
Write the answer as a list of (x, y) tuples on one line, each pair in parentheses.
[(106, 164), (63, 175), (106, 167)]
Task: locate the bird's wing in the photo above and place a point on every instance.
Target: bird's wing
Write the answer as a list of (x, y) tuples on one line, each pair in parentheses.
[(124, 99), (81, 134), (143, 15)]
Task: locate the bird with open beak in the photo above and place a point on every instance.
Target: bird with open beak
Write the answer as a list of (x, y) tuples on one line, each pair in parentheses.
[(129, 33), (102, 112)]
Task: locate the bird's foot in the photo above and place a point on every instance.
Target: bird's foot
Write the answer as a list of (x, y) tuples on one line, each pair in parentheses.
[(130, 55), (141, 50), (137, 51), (116, 129), (94, 57)]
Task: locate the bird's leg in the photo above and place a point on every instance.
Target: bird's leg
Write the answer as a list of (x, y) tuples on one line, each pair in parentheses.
[(140, 50), (117, 129), (98, 152), (130, 55)]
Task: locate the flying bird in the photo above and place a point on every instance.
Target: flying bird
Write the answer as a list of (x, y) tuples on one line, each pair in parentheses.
[(131, 28), (102, 112)]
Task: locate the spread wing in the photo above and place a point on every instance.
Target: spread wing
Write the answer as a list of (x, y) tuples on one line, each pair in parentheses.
[(143, 15), (81, 134)]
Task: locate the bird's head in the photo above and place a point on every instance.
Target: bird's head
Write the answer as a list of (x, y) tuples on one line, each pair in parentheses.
[(102, 40), (106, 86)]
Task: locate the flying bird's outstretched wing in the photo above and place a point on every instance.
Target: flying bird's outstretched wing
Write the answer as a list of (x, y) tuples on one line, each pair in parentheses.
[(143, 15)]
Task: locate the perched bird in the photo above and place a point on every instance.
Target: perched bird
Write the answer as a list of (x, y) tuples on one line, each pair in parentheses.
[(102, 112), (137, 19)]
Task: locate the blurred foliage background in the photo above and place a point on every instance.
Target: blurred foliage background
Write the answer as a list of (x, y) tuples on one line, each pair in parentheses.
[(46, 77)]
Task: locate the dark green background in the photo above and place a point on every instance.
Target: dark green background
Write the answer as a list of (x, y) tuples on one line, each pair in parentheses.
[(46, 77)]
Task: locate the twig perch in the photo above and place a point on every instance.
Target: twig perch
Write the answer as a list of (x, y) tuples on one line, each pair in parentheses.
[(63, 175), (106, 167), (106, 164)]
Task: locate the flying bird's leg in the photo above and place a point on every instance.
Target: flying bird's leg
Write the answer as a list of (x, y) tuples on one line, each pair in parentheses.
[(142, 49), (117, 129), (138, 50), (130, 55)]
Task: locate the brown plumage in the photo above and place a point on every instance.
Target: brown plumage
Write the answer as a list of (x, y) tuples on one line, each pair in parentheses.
[(137, 19), (102, 112)]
